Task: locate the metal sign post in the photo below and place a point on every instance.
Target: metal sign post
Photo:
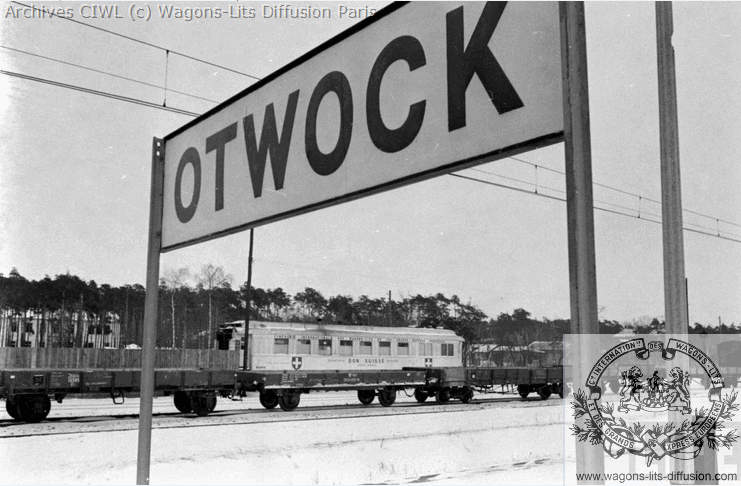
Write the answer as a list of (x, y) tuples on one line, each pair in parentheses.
[(150, 311), (579, 204), (248, 307)]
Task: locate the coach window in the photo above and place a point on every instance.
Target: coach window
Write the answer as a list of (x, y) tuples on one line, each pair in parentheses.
[(384, 348), (281, 346), (345, 348), (366, 347), (403, 349), (325, 347), (447, 349), (425, 349), (303, 346)]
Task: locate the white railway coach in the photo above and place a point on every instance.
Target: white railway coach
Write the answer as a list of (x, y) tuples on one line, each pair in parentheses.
[(285, 346)]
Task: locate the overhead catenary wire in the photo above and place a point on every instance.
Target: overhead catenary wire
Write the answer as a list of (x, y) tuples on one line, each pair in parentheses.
[(99, 93), (627, 193), (715, 233), (106, 73), (133, 39), (607, 210), (167, 67), (541, 194)]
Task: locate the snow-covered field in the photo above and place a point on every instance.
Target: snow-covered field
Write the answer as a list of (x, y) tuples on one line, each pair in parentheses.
[(494, 442), (508, 443)]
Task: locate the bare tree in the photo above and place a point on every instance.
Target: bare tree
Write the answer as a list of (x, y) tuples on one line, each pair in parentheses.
[(175, 280), (211, 277)]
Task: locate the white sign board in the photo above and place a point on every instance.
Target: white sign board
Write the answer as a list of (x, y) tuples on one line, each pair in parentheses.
[(418, 90)]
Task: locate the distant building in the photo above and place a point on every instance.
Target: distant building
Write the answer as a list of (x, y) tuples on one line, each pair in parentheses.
[(36, 330), (547, 353), (536, 354)]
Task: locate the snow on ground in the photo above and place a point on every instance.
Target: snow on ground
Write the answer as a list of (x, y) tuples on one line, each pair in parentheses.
[(505, 443), (511, 443), (728, 461)]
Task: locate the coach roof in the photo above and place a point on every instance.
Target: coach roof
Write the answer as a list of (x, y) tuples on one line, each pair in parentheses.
[(397, 332)]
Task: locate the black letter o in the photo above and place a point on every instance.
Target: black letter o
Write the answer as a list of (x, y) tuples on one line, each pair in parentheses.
[(325, 164), (190, 156)]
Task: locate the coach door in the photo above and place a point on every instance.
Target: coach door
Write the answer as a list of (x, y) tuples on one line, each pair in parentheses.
[(249, 353), (250, 346)]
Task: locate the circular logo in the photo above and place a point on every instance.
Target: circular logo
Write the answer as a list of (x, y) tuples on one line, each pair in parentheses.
[(603, 424)]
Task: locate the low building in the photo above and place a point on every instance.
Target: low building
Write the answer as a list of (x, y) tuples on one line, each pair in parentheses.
[(536, 354), (38, 330)]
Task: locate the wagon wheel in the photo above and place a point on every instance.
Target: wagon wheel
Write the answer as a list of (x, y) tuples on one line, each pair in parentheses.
[(443, 396), (545, 392), (12, 408), (182, 402), (203, 404), (523, 390), (386, 397), (33, 409), (467, 394), (269, 399), (420, 395), (289, 400), (366, 397)]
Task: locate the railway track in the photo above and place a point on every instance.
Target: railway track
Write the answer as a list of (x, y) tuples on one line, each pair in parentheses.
[(255, 414)]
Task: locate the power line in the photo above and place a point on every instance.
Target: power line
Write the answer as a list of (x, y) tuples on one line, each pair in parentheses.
[(106, 73), (184, 112), (639, 215), (99, 93), (187, 113), (626, 192), (150, 45), (595, 207)]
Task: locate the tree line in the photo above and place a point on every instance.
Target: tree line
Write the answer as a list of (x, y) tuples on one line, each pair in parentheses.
[(193, 307)]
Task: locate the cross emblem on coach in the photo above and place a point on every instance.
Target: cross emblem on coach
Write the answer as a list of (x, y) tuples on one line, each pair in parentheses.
[(296, 362)]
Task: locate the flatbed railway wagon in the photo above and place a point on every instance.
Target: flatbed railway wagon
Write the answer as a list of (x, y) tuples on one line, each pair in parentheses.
[(285, 361), (31, 377)]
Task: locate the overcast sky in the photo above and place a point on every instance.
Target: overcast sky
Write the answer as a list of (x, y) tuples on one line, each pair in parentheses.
[(75, 168)]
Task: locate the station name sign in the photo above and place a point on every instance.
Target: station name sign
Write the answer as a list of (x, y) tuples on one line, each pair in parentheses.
[(418, 90)]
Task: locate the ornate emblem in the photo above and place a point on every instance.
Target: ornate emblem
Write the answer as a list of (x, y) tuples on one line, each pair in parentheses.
[(296, 362), (654, 394)]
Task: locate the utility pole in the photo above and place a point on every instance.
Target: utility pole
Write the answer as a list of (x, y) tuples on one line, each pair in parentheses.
[(579, 209), (391, 318), (248, 306), (675, 282), (671, 185)]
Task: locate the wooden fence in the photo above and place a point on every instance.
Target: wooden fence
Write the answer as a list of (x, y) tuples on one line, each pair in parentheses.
[(96, 358)]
